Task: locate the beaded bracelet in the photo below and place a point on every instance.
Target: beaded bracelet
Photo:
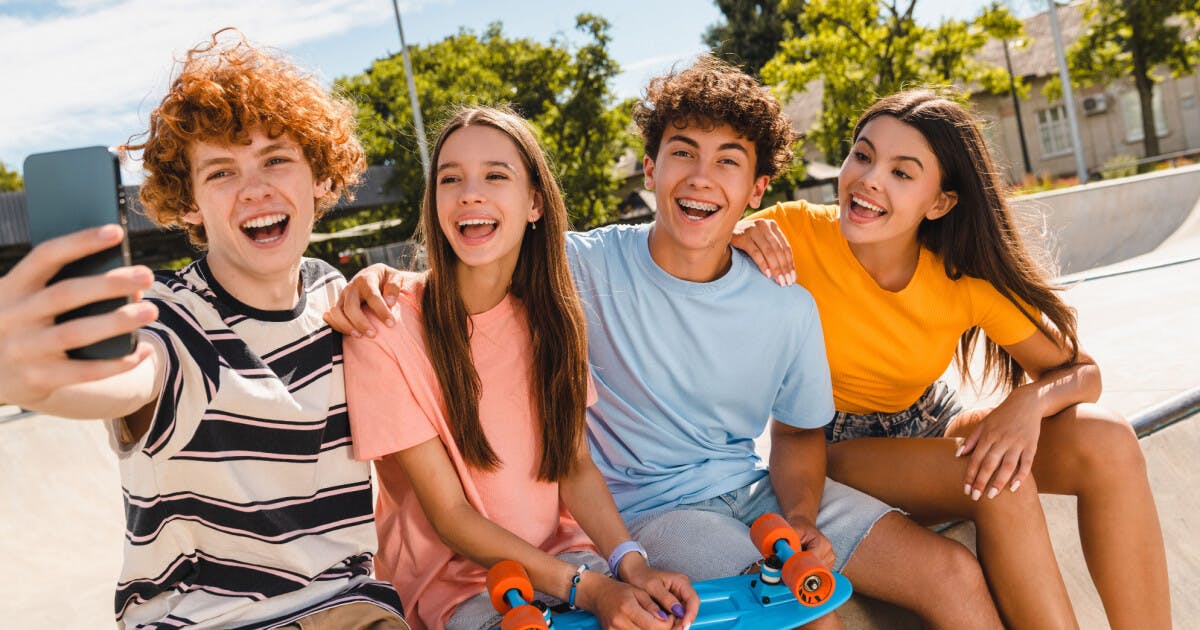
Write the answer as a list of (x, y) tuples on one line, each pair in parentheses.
[(574, 584)]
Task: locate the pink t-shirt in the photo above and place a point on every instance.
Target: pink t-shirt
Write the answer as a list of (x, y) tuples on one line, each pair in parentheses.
[(395, 403)]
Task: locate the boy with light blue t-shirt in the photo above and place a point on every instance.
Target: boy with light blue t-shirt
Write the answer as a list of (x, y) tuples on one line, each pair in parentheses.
[(693, 353)]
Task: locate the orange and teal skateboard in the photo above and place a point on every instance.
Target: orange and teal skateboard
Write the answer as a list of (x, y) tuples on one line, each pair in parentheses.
[(793, 589)]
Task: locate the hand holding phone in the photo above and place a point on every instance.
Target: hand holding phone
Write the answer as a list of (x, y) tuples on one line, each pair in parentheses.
[(33, 365), (72, 190)]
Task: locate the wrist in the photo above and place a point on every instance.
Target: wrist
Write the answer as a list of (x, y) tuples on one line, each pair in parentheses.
[(626, 550), (576, 586)]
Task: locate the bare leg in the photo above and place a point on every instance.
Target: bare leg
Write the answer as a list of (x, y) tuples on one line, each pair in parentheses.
[(905, 564), (923, 477), (1093, 454)]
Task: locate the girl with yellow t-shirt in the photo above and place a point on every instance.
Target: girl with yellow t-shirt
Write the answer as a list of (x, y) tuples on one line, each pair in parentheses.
[(472, 404), (918, 258)]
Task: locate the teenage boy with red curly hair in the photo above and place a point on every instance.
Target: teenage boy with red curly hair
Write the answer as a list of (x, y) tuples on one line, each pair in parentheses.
[(244, 507)]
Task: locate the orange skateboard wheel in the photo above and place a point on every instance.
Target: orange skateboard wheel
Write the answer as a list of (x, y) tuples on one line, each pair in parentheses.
[(809, 580), (503, 577), (769, 528), (524, 617)]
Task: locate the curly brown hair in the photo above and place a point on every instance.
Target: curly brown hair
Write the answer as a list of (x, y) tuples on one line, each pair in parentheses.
[(223, 90), (711, 93)]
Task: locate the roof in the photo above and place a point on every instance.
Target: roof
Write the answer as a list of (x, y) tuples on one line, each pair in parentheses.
[(1037, 57)]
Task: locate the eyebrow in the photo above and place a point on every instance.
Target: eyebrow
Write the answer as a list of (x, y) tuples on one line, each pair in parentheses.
[(898, 157), (493, 163), (692, 143), (270, 148)]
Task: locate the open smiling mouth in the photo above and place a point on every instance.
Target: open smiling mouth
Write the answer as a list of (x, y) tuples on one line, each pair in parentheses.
[(266, 229), (476, 228), (697, 210), (865, 208)]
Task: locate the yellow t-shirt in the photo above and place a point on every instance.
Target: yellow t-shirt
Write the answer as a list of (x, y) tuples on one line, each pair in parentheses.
[(885, 348)]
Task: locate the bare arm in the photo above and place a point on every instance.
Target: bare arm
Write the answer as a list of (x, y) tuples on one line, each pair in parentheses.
[(764, 242), (797, 465), (465, 531), (586, 495), (35, 371), (1003, 446), (376, 287)]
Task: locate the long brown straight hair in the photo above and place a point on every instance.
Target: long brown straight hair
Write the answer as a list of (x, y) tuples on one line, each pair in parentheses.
[(542, 281), (978, 237)]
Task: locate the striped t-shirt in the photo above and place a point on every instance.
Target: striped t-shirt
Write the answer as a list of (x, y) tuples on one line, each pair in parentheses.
[(244, 507)]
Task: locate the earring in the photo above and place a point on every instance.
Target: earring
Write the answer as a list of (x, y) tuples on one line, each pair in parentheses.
[(533, 225)]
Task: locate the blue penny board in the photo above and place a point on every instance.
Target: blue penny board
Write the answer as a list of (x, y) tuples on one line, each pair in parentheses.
[(729, 604)]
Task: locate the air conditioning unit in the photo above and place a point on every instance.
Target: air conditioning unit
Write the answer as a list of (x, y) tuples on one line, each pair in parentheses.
[(1095, 104)]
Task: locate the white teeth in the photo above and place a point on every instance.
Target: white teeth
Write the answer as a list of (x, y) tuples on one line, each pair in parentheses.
[(264, 221), (699, 205), (868, 206), (465, 222)]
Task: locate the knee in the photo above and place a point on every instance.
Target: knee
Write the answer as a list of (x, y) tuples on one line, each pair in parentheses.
[(1101, 443)]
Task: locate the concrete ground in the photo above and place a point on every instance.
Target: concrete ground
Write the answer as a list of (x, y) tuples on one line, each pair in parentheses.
[(60, 534)]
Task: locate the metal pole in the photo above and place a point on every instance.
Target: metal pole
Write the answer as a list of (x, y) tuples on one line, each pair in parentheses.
[(1012, 90), (412, 92), (1068, 95)]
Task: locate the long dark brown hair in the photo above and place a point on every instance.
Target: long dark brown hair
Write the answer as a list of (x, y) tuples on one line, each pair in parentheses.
[(542, 281), (978, 237)]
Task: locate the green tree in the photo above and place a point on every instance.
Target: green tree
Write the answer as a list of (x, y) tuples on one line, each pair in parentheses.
[(752, 31), (566, 96), (10, 180), (864, 49), (1132, 38)]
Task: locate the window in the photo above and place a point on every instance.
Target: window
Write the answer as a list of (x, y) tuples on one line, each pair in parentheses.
[(1054, 130), (1131, 114)]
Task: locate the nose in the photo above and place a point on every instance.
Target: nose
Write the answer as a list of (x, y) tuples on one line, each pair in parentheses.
[(871, 177), (470, 194), (700, 176), (256, 187)]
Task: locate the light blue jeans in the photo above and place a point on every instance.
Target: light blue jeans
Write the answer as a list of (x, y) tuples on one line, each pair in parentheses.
[(711, 539)]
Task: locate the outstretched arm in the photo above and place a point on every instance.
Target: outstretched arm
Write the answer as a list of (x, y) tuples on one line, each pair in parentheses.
[(35, 371), (467, 532), (1004, 444), (797, 465)]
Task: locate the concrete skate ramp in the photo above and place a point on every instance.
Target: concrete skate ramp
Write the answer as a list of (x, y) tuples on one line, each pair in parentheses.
[(1100, 224)]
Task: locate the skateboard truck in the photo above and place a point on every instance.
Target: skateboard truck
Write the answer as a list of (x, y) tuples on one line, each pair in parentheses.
[(512, 595), (801, 573)]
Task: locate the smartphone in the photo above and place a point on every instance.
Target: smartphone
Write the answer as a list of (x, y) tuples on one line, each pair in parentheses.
[(72, 190)]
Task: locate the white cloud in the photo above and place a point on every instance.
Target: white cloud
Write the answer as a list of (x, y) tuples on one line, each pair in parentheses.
[(103, 64)]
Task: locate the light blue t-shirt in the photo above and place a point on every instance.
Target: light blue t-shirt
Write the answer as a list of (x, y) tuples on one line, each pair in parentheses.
[(688, 373)]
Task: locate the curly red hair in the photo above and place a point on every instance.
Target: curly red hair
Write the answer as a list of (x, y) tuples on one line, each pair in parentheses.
[(222, 91), (712, 92)]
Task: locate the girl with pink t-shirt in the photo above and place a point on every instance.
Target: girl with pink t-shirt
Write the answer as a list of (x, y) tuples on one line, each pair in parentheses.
[(472, 404)]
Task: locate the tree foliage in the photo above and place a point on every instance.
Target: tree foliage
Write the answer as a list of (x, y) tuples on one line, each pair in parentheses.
[(752, 31), (864, 49), (565, 93), (1131, 38), (10, 180)]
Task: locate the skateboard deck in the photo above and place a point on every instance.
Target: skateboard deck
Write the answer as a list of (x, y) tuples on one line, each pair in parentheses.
[(731, 604)]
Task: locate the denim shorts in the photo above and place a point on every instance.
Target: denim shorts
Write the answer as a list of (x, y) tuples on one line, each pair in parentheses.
[(928, 417), (711, 539), (477, 612)]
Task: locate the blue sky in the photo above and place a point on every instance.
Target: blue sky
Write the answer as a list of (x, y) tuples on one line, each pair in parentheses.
[(86, 72)]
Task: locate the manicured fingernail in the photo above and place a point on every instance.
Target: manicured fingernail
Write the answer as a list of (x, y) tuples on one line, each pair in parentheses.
[(391, 300), (961, 448), (371, 333), (967, 489), (661, 615), (1016, 484), (678, 610), (792, 277), (356, 334), (975, 494), (390, 322), (992, 492), (779, 280)]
